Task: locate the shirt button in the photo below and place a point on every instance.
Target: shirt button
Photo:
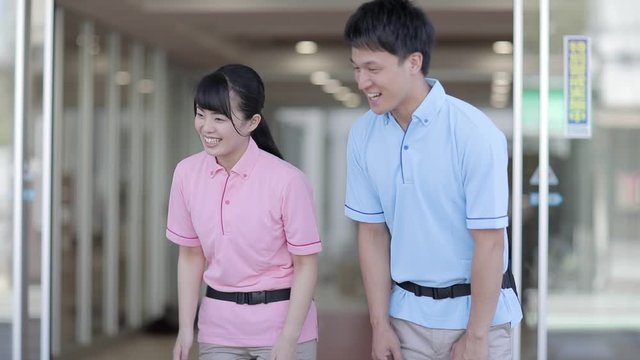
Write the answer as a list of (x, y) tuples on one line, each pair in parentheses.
[(244, 175), (406, 147), (227, 202)]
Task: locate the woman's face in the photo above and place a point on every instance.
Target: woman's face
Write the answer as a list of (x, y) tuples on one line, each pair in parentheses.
[(219, 137)]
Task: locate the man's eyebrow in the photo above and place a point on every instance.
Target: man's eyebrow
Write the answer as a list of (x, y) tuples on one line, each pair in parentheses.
[(369, 62)]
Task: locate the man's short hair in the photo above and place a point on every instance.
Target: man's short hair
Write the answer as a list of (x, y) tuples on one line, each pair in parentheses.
[(395, 26)]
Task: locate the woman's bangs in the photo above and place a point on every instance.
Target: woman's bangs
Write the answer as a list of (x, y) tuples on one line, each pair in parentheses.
[(213, 94)]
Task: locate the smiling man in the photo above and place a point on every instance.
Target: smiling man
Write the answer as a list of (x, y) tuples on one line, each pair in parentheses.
[(427, 184)]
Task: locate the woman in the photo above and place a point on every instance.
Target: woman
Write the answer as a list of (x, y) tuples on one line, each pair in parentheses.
[(245, 222)]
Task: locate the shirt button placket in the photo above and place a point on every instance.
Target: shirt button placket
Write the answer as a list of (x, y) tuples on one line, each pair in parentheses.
[(406, 164)]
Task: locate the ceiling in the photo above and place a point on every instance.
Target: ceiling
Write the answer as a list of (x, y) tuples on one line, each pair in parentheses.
[(204, 34)]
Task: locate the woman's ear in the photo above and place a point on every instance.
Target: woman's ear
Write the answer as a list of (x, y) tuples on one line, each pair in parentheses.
[(254, 121)]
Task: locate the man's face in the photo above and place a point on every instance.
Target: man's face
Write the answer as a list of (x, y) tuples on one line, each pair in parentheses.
[(384, 79)]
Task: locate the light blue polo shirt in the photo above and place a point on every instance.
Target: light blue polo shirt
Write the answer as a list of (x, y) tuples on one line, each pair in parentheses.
[(445, 175)]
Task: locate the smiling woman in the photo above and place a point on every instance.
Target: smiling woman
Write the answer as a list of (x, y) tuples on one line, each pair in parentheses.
[(271, 264)]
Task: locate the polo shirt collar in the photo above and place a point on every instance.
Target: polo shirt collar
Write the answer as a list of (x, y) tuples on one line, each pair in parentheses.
[(244, 166), (430, 106)]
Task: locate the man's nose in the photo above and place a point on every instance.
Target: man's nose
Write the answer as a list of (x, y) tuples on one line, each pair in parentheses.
[(363, 81)]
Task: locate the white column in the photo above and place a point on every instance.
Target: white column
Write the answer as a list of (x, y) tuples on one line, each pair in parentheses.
[(136, 178), (543, 190), (56, 207), (20, 296), (517, 161), (157, 273), (84, 190), (112, 229), (47, 178)]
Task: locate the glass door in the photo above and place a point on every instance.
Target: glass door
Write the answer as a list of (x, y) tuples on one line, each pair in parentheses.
[(592, 237)]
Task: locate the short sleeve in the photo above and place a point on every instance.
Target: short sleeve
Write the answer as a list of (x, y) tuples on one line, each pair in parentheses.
[(179, 226), (299, 217), (362, 203), (485, 180)]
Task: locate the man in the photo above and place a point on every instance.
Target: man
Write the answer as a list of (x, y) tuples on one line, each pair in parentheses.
[(427, 184)]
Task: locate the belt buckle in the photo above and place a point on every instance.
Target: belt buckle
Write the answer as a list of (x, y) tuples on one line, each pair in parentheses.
[(443, 293), (257, 297)]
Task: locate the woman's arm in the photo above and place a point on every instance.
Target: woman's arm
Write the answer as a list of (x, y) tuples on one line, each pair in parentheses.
[(191, 263), (305, 273)]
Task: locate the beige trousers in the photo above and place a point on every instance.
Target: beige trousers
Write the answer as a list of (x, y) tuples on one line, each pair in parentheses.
[(421, 343), (306, 351)]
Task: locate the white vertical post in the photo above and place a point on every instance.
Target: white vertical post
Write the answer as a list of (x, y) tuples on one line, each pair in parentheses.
[(136, 173), (112, 229), (543, 190), (516, 161), (84, 191), (47, 178), (156, 246), (315, 130), (56, 207), (20, 295)]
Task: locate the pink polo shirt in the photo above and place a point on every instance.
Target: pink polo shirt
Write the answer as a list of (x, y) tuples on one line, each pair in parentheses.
[(248, 223)]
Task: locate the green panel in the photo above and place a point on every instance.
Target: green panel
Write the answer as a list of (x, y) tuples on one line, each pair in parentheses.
[(531, 112)]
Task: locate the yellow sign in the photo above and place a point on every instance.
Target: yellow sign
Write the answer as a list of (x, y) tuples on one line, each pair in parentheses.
[(577, 86)]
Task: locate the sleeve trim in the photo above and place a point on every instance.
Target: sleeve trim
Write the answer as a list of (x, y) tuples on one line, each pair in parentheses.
[(363, 213), (488, 218), (183, 237), (301, 245)]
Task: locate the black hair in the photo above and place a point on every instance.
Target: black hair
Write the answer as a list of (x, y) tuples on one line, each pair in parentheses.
[(395, 26), (213, 93)]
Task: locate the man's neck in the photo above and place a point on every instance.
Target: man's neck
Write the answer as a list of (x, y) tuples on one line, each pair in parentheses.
[(406, 109)]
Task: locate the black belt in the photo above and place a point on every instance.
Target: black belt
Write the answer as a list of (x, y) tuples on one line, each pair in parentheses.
[(250, 298), (451, 291)]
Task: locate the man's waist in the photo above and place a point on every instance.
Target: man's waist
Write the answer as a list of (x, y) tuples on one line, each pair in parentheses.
[(453, 291)]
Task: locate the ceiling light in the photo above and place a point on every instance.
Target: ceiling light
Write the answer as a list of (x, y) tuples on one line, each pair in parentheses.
[(331, 86), (503, 47), (499, 101), (145, 86), (500, 89), (352, 101), (123, 78), (501, 78), (342, 94), (306, 47), (319, 78)]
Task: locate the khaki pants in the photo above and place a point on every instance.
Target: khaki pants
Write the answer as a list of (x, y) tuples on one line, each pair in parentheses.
[(306, 351), (421, 343)]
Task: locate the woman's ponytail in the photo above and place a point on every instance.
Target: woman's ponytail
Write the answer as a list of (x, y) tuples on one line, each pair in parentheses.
[(262, 136)]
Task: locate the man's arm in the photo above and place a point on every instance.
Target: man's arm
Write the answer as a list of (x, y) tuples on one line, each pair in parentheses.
[(373, 245), (486, 281)]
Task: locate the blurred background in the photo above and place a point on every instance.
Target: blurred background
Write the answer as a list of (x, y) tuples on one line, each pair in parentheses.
[(124, 77)]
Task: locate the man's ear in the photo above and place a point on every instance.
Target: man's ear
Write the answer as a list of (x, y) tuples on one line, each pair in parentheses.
[(414, 61)]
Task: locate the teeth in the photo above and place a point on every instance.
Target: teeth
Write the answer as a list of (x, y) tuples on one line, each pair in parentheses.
[(373, 95), (210, 140)]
